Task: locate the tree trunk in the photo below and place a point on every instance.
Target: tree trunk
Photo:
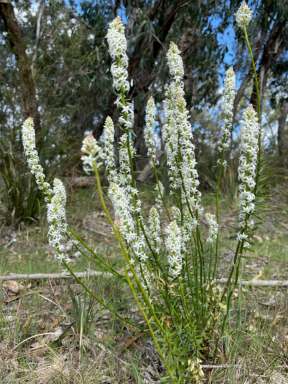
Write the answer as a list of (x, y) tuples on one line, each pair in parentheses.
[(18, 47)]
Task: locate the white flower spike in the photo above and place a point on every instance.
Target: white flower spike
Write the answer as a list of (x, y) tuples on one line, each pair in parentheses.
[(29, 144), (149, 135), (108, 150), (56, 217), (243, 15), (173, 244), (91, 153), (248, 165), (178, 137), (228, 105)]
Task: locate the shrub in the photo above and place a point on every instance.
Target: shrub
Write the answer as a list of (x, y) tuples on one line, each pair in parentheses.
[(171, 255), (19, 196)]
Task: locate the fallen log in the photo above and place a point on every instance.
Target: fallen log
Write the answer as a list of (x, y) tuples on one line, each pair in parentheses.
[(88, 274), (52, 276)]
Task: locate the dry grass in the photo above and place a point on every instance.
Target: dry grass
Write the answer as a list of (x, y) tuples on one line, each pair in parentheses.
[(108, 352)]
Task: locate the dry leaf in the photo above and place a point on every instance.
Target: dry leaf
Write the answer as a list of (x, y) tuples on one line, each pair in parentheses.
[(13, 287)]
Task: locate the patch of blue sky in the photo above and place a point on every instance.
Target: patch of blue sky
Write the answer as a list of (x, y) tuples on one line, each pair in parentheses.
[(226, 39), (121, 11)]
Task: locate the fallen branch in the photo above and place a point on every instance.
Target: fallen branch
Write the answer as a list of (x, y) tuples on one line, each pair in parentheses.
[(219, 366), (51, 276), (87, 274), (259, 283)]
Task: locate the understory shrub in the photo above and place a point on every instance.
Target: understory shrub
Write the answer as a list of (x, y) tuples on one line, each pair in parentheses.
[(19, 196), (171, 255)]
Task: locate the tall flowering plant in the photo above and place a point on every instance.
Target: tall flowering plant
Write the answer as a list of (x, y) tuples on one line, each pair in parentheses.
[(170, 255)]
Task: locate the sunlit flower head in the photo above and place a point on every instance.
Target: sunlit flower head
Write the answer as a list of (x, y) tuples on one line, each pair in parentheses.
[(243, 15), (173, 243), (123, 212), (178, 138), (175, 62), (149, 133), (91, 153), (227, 109), (117, 49), (108, 150), (56, 217), (29, 144), (247, 169)]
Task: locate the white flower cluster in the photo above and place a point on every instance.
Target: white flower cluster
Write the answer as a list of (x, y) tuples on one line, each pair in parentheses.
[(122, 208), (55, 197), (126, 118), (119, 69), (178, 136), (29, 144), (243, 15), (108, 150), (149, 134), (170, 136), (173, 242), (125, 174), (175, 62), (117, 49), (228, 105), (189, 225), (248, 166), (213, 227), (56, 216), (91, 153)]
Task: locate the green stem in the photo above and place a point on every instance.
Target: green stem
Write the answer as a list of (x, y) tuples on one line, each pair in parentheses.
[(255, 73), (159, 190), (96, 297), (146, 299)]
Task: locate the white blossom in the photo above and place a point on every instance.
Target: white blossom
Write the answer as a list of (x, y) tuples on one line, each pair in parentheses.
[(117, 49), (29, 144), (188, 226), (149, 134), (175, 213), (243, 15), (242, 236), (212, 227), (178, 137), (125, 173), (119, 69), (56, 217), (248, 165), (227, 108), (122, 208), (108, 150), (173, 242), (175, 63), (91, 153)]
